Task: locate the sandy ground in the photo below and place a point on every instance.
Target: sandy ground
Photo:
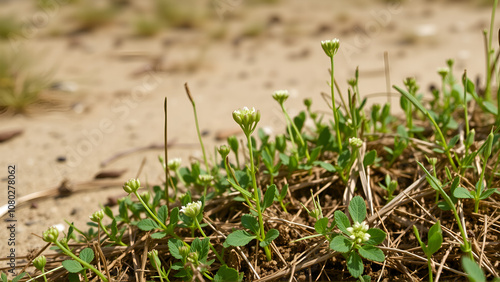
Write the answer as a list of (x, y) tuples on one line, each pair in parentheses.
[(116, 107)]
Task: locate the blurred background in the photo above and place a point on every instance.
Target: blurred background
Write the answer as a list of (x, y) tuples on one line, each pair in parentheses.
[(82, 81)]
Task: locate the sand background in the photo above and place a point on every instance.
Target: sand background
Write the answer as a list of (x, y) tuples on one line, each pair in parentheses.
[(117, 102)]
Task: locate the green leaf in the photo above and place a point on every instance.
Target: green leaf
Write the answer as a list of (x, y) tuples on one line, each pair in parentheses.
[(239, 238), (159, 235), (377, 236), (108, 212), (344, 158), (487, 193), (147, 224), (227, 274), (266, 158), (372, 253), (328, 166), (355, 265), (370, 158), (315, 153), (365, 278), (321, 225), (19, 277), (87, 255), (283, 192), (250, 222), (490, 107), (453, 141), (269, 197), (462, 193), (474, 272), (435, 239), (270, 236), (340, 244), (173, 247), (200, 246), (174, 216), (342, 221), (357, 209), (163, 214), (4, 277), (72, 266), (240, 189), (412, 99), (73, 277)]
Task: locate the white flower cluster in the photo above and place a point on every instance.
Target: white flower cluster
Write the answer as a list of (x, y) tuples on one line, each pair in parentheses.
[(192, 209), (358, 231)]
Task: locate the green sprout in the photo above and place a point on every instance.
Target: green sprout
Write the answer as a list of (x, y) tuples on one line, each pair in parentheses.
[(435, 239)]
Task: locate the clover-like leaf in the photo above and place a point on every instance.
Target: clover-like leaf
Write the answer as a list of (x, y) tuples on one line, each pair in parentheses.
[(474, 272), (173, 247), (270, 236), (269, 197), (239, 238), (147, 224), (226, 274), (435, 239), (72, 266), (87, 255), (372, 253), (355, 265), (377, 236), (342, 221), (321, 225), (357, 209), (340, 244), (250, 222), (163, 214)]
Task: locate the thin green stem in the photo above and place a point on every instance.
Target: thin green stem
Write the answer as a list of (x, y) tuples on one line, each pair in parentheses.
[(43, 273), (197, 126), (109, 235), (84, 263), (256, 196), (334, 107), (299, 135), (153, 216), (430, 269), (480, 189), (209, 243)]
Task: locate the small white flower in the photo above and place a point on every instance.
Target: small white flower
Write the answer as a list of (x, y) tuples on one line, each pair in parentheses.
[(192, 209), (280, 96), (330, 47), (350, 229), (174, 163), (364, 226), (366, 237), (205, 178), (352, 237)]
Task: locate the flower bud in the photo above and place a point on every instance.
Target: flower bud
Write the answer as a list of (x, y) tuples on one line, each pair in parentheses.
[(184, 251), (40, 262), (355, 142), (489, 146), (330, 47), (247, 119), (193, 257), (224, 151), (132, 185), (50, 235), (97, 216), (443, 72)]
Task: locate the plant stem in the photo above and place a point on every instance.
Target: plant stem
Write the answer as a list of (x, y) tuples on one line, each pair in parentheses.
[(163, 226), (210, 244), (290, 122), (107, 233), (480, 188), (84, 263), (334, 107), (256, 197), (489, 52), (430, 269), (197, 126)]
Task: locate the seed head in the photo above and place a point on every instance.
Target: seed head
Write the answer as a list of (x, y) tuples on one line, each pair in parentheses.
[(132, 185), (50, 235), (97, 216)]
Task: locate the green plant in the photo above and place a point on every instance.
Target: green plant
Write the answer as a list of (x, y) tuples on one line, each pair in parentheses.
[(357, 241), (434, 242), (39, 263), (9, 27), (390, 186), (77, 264), (90, 17), (16, 279), (146, 27), (247, 119), (21, 85), (331, 47)]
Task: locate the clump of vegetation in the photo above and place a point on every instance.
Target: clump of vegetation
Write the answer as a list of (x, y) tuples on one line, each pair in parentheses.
[(21, 85), (186, 14), (312, 197), (146, 27), (89, 17)]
